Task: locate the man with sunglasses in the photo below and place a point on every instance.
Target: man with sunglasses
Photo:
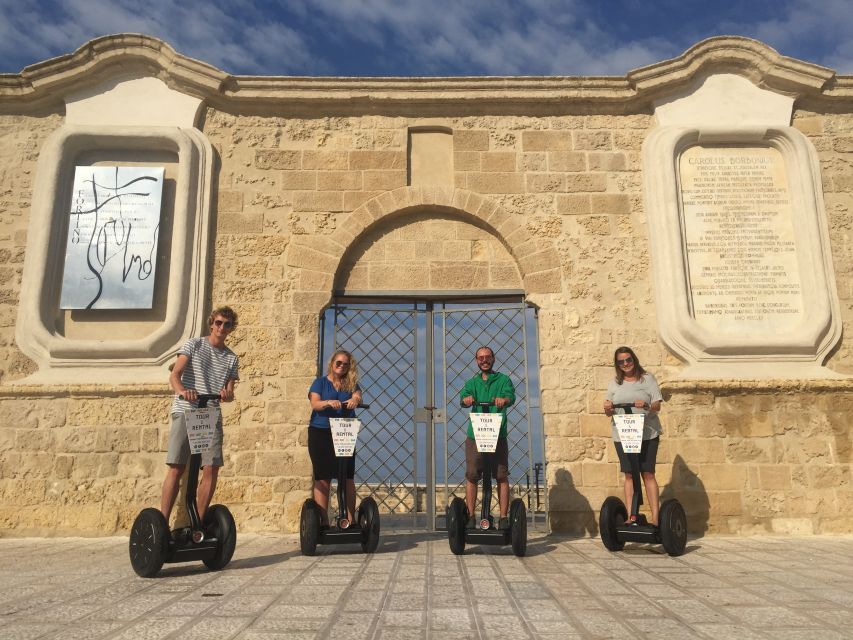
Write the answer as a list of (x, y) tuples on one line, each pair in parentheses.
[(496, 387), (204, 365)]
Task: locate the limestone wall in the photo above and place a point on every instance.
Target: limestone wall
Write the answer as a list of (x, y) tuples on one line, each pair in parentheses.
[(548, 200)]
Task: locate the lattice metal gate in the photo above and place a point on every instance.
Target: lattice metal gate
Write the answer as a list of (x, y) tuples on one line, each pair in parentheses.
[(413, 359)]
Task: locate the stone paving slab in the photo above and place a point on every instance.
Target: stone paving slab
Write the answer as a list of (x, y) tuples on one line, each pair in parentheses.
[(414, 588)]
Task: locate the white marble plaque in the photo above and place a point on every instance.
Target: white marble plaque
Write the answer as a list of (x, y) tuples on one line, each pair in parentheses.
[(111, 252), (740, 240)]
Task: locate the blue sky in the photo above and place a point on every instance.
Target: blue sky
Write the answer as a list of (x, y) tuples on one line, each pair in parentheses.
[(429, 37)]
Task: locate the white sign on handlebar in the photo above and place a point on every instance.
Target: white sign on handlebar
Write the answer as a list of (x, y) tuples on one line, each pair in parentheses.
[(630, 429), (201, 425), (344, 435), (487, 427)]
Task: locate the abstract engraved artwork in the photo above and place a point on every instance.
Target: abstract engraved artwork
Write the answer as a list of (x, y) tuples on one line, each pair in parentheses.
[(111, 249)]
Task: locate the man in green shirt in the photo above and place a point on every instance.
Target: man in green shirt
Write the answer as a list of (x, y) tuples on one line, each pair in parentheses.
[(487, 386)]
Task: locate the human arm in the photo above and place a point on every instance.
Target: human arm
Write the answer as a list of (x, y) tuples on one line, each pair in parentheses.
[(175, 379), (226, 394), (466, 396), (505, 394), (318, 404), (354, 400)]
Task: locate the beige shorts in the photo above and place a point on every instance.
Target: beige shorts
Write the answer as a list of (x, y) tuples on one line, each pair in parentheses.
[(179, 444)]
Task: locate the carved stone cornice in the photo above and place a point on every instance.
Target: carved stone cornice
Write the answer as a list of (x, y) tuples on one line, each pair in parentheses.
[(122, 54)]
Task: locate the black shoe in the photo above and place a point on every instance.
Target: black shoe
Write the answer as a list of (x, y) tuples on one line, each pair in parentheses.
[(503, 523), (472, 523)]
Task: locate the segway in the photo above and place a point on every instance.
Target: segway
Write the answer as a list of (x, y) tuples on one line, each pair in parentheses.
[(615, 531), (365, 529), (212, 541), (485, 532)]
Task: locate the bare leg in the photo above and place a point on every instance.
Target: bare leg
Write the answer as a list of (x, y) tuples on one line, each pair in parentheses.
[(351, 500), (629, 491), (321, 497), (206, 488), (653, 494), (170, 489), (503, 496), (470, 496)]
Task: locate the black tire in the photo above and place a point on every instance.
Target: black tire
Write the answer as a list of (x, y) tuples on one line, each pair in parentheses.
[(368, 520), (613, 514), (309, 527), (673, 527), (457, 517), (518, 527), (219, 524), (149, 543)]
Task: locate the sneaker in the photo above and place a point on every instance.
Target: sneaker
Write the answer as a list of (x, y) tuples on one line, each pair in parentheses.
[(472, 523), (503, 523), (632, 520)]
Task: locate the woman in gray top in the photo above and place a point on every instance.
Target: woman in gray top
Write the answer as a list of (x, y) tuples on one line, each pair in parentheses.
[(634, 385)]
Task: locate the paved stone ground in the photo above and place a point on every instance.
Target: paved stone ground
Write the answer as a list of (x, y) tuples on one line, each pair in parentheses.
[(414, 588)]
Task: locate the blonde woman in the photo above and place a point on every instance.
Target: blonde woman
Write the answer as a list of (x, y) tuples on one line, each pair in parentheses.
[(334, 395)]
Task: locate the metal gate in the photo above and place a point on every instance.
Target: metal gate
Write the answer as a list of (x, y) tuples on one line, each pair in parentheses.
[(413, 359)]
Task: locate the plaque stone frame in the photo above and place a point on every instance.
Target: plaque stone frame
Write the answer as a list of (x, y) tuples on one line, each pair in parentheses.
[(711, 353), (114, 360)]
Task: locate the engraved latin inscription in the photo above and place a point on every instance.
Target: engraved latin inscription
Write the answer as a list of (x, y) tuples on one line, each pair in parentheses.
[(741, 247)]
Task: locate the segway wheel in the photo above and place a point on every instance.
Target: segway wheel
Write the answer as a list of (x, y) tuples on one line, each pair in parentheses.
[(368, 519), (309, 527), (149, 543), (518, 527), (613, 513), (673, 527), (219, 524), (457, 517)]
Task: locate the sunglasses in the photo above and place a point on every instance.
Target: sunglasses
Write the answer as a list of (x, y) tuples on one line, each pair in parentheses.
[(341, 363), (628, 360), (226, 324)]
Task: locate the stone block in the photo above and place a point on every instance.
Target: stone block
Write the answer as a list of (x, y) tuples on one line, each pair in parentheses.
[(573, 204), (545, 182), (299, 180), (546, 141), (842, 144), (604, 161), (458, 276), (593, 140), (498, 161), (384, 180), (573, 161), (722, 477), (239, 223), (399, 276), (277, 159), (339, 180), (325, 160), (470, 140), (496, 182), (361, 160), (586, 182), (229, 200), (504, 276), (596, 425), (600, 475), (318, 201), (610, 203), (774, 477), (466, 161), (308, 258)]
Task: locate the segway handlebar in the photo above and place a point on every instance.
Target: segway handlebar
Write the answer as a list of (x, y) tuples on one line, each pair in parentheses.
[(629, 405), (203, 397)]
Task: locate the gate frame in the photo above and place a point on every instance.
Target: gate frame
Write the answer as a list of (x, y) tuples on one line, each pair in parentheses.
[(429, 298)]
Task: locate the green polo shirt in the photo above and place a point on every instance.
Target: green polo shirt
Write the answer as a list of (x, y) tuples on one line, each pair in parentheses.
[(496, 385)]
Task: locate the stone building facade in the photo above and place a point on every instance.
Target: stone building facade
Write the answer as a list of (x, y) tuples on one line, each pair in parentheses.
[(302, 187)]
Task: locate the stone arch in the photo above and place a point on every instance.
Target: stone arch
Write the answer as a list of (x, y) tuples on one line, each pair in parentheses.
[(320, 258)]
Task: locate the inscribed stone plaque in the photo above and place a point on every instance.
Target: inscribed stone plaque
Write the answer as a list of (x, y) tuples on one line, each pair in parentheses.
[(741, 248), (111, 252)]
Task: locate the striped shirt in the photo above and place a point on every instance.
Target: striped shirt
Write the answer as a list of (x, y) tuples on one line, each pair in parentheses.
[(207, 371)]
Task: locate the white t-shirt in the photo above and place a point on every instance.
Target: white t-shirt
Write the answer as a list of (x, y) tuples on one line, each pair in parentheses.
[(645, 389)]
